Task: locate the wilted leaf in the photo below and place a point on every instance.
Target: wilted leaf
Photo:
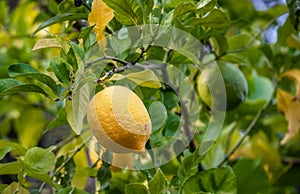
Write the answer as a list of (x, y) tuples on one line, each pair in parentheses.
[(100, 16), (47, 43), (146, 78), (294, 74), (289, 105)]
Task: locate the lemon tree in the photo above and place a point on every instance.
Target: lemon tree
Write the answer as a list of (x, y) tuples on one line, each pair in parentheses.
[(107, 96)]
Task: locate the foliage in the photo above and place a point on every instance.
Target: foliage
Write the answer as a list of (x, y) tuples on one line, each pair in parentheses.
[(51, 64)]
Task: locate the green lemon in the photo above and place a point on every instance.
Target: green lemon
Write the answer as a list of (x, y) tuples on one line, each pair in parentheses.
[(235, 83)]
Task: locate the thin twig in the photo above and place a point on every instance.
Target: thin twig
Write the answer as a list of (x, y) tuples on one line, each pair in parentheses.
[(250, 127), (65, 162), (106, 58)]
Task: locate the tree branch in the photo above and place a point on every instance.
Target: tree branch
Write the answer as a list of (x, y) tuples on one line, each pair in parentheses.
[(251, 126)]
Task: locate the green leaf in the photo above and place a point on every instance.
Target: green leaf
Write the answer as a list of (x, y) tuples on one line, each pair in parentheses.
[(158, 115), (14, 187), (136, 188), (71, 190), (217, 180), (16, 148), (188, 167), (38, 160), (4, 151), (88, 36), (78, 51), (293, 6), (147, 7), (10, 86), (104, 175), (206, 5), (25, 124), (127, 12), (159, 183), (251, 177), (27, 71), (76, 108), (146, 78), (215, 20), (60, 70), (61, 18), (42, 177), (182, 9), (10, 168), (260, 91), (60, 120)]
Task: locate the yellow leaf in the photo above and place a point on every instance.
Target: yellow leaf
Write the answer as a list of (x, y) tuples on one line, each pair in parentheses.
[(290, 107), (100, 16), (294, 74), (146, 78), (47, 43)]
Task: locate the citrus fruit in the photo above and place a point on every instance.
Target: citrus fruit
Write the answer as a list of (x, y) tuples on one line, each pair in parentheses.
[(235, 83), (119, 120)]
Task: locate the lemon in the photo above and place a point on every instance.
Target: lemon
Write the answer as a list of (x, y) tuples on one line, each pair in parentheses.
[(119, 120), (234, 81)]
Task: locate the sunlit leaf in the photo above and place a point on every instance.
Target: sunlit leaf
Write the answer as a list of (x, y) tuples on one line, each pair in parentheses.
[(15, 187), (10, 168), (60, 120), (4, 151), (15, 147), (71, 190), (77, 107), (216, 180), (159, 183), (146, 78), (39, 160), (47, 43), (290, 107), (30, 128), (136, 188), (100, 16)]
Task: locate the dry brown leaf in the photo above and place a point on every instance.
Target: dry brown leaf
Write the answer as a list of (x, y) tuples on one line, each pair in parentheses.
[(100, 16), (290, 107), (294, 74)]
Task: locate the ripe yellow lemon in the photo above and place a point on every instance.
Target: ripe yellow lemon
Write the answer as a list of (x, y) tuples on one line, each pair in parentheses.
[(235, 83), (119, 120)]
